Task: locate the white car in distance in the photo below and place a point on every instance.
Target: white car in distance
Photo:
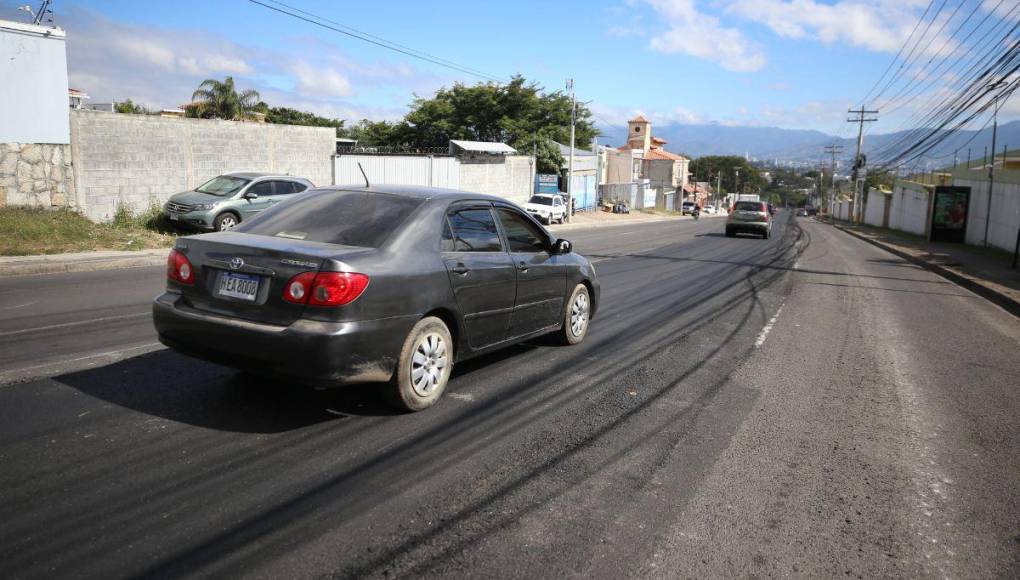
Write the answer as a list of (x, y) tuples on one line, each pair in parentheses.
[(547, 208)]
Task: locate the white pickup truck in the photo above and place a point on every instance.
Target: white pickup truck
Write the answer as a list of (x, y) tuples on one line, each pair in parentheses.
[(547, 208)]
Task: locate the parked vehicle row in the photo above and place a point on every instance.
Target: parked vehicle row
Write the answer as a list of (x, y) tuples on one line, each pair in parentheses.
[(382, 284)]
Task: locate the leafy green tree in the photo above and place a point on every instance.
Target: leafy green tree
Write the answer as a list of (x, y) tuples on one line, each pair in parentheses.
[(710, 167), (880, 180), (220, 100), (288, 116), (130, 108), (518, 113)]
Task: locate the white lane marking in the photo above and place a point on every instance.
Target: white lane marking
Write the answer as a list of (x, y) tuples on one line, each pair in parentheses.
[(70, 324), (114, 355), (19, 305), (765, 331)]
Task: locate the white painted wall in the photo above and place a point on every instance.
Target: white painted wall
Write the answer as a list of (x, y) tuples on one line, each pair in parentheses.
[(397, 170), (1005, 215), (33, 84), (909, 210), (874, 210)]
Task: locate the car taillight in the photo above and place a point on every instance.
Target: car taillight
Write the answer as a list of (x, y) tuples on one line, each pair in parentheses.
[(325, 288), (179, 269)]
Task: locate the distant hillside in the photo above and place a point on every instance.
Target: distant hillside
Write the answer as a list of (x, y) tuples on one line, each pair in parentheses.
[(797, 145)]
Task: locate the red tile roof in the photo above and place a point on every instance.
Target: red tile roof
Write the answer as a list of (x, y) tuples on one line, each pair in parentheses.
[(661, 154)]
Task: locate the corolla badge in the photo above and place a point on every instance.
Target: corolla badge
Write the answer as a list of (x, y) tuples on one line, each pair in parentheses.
[(236, 263)]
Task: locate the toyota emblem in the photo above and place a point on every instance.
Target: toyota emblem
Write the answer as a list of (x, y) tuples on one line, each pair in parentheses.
[(236, 263)]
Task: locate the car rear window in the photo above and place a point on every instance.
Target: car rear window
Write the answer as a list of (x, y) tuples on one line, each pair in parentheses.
[(349, 218), (748, 206)]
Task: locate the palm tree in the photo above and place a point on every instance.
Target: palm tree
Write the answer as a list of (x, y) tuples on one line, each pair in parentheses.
[(217, 99)]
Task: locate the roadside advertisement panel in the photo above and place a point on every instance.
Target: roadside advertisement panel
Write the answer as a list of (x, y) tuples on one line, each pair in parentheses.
[(949, 214)]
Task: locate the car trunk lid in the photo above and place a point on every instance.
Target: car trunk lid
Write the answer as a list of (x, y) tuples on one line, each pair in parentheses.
[(244, 275)]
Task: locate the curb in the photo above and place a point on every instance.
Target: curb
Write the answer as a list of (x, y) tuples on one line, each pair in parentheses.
[(81, 262), (1006, 302)]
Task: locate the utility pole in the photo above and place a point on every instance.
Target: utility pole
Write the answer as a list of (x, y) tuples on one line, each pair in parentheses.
[(833, 150), (861, 117), (719, 189), (991, 166), (570, 165), (736, 186)]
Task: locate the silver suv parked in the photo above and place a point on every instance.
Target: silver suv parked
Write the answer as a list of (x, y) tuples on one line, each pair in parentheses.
[(227, 200)]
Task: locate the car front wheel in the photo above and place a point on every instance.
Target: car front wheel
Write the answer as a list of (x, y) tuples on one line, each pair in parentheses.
[(576, 316), (225, 221), (424, 367)]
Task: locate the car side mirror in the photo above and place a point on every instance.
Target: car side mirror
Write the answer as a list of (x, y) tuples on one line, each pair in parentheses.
[(563, 246), (250, 196)]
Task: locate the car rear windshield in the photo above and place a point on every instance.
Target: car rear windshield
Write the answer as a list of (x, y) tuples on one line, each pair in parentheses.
[(222, 185), (541, 199), (748, 206), (335, 217)]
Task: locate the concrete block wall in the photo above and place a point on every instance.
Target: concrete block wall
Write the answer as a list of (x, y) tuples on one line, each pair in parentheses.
[(511, 176), (36, 175), (138, 160), (874, 208)]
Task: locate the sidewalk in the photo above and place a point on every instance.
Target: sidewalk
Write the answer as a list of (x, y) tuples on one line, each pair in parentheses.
[(987, 272), (80, 262)]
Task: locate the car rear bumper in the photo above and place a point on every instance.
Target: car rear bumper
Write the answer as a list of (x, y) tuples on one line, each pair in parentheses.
[(310, 351), (747, 227)]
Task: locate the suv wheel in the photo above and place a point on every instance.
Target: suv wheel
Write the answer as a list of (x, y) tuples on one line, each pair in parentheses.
[(424, 367), (225, 221)]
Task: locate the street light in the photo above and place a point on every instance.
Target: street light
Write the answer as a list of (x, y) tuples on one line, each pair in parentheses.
[(991, 166)]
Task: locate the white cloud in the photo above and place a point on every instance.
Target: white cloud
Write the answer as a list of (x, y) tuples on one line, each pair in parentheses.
[(325, 82), (702, 35), (876, 25)]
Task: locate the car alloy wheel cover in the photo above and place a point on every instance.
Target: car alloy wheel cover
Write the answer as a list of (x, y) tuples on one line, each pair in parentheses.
[(227, 222), (428, 364), (579, 314)]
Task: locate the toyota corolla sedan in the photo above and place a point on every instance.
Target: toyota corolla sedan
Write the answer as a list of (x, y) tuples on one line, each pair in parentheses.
[(383, 284)]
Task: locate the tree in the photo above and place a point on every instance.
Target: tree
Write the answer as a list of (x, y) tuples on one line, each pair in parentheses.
[(219, 100), (518, 113), (287, 116), (884, 180), (710, 167), (129, 108)]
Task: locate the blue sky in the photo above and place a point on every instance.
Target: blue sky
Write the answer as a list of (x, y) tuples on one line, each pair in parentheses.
[(788, 63)]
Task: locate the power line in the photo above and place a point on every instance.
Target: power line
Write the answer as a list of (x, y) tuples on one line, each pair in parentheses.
[(371, 39)]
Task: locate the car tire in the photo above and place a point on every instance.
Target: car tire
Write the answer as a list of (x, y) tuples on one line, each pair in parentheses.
[(576, 315), (424, 366), (226, 221), (730, 233)]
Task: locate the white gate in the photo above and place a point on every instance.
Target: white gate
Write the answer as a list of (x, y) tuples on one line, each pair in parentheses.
[(397, 170)]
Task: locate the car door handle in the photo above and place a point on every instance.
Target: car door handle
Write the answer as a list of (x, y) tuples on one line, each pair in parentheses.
[(523, 266), (460, 269)]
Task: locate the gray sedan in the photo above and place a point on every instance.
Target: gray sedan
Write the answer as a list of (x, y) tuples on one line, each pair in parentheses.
[(385, 284)]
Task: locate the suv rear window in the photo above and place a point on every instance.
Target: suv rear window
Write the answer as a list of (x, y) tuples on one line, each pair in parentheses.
[(748, 206), (335, 217)]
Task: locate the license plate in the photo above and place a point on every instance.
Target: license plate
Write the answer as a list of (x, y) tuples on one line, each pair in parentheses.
[(240, 286), (174, 217)]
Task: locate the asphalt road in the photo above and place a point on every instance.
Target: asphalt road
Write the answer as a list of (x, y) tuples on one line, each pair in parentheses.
[(805, 406)]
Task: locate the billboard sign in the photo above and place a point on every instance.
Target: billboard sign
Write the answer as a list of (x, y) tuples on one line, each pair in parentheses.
[(547, 183), (949, 214)]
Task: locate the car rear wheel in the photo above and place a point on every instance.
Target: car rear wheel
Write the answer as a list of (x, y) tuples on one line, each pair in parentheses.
[(225, 221), (576, 316), (424, 367), (729, 233)]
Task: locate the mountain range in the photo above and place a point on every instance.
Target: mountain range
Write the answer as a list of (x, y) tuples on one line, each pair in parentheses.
[(800, 146)]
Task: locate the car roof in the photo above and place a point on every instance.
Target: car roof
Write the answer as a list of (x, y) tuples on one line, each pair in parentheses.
[(417, 191), (259, 174)]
